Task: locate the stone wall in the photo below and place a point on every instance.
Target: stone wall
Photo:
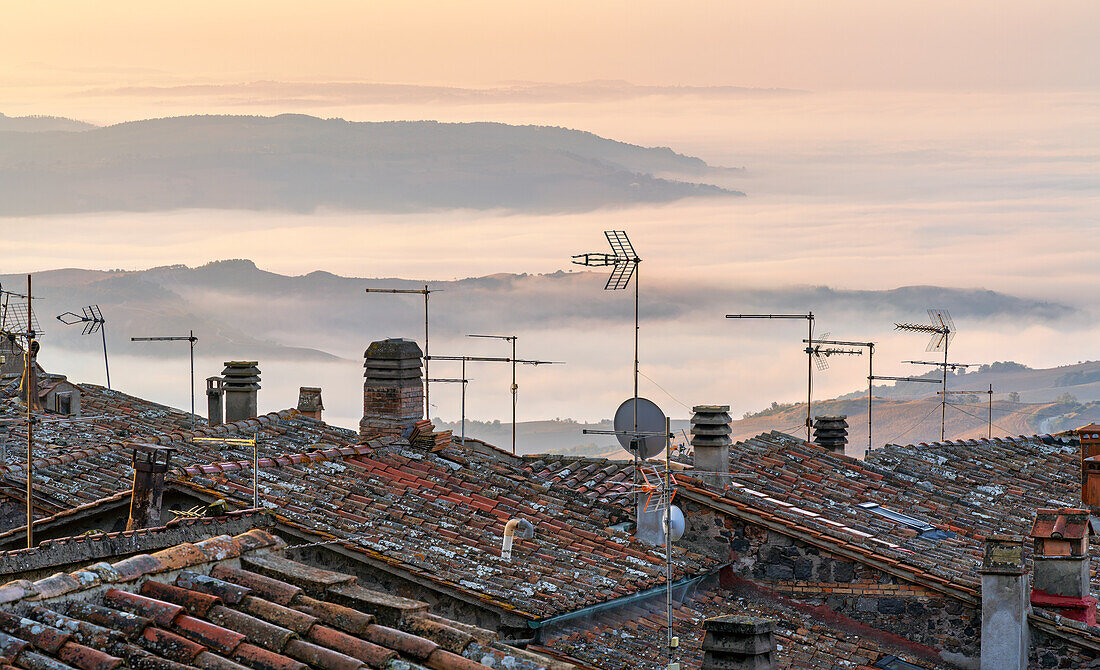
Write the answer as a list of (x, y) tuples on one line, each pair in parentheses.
[(853, 590)]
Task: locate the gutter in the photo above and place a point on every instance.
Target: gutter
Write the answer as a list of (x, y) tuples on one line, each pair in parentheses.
[(621, 601)]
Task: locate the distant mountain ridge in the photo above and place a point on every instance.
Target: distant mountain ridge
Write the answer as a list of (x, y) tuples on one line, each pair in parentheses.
[(41, 124), (302, 163)]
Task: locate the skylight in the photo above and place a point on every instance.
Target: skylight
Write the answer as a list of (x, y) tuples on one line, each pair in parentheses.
[(925, 530)]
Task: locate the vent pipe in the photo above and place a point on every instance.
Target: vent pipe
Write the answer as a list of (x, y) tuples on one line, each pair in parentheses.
[(241, 383), (150, 465), (831, 432)]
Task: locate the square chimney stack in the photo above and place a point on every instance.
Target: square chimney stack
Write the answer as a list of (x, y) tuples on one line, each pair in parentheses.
[(241, 383), (710, 440), (1061, 563), (309, 402), (1089, 437), (393, 389)]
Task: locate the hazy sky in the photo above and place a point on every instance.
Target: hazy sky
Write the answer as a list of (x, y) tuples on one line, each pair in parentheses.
[(978, 44)]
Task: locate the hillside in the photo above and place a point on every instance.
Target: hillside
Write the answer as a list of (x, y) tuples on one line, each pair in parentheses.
[(302, 163), (40, 124)]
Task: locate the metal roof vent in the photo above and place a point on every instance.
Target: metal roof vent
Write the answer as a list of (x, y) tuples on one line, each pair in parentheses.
[(831, 432)]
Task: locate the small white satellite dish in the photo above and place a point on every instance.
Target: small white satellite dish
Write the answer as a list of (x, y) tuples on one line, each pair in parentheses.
[(678, 524), (650, 420)]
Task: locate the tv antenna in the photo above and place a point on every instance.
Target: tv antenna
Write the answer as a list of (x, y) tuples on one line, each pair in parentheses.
[(425, 292), (989, 392), (942, 330), (813, 351), (253, 442), (872, 378), (93, 321), (870, 347), (624, 261), (643, 430), (189, 338), (486, 359), (515, 388)]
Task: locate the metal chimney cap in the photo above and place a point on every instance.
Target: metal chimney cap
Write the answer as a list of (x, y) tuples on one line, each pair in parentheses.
[(393, 349), (710, 409)]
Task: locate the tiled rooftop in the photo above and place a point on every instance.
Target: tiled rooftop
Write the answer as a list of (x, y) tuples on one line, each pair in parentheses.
[(441, 515), (227, 603), (634, 639)]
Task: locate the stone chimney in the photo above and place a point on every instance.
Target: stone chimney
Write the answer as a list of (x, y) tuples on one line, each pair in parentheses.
[(1004, 604), (393, 390), (150, 465), (1061, 560), (738, 642), (309, 402), (831, 432), (1089, 437), (710, 440), (241, 383), (215, 401)]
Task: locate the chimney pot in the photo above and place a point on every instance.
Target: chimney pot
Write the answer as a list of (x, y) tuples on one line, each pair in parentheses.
[(710, 440), (151, 462), (393, 388), (241, 383), (1061, 563), (734, 642), (215, 401), (309, 402), (831, 432)]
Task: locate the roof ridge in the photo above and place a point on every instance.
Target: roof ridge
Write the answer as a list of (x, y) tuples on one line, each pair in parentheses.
[(282, 460)]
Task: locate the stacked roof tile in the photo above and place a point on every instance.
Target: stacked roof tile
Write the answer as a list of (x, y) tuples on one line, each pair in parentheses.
[(229, 603)]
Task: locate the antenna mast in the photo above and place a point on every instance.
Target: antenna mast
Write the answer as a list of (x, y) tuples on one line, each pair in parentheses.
[(942, 330), (93, 321), (191, 339), (425, 292)]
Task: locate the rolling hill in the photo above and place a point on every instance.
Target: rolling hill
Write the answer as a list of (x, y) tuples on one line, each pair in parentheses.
[(302, 163)]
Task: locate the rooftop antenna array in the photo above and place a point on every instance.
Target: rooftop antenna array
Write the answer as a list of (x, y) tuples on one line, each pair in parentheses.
[(189, 338), (486, 359), (870, 347), (872, 378), (643, 430), (93, 321), (515, 388), (989, 392), (812, 351), (624, 262), (942, 330), (425, 292)]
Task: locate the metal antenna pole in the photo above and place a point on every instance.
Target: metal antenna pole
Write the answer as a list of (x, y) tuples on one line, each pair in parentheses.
[(191, 340), (93, 320), (870, 391), (426, 291), (942, 330), (809, 316), (106, 365), (989, 426), (668, 534), (29, 362), (464, 402), (514, 390), (809, 377), (943, 403)]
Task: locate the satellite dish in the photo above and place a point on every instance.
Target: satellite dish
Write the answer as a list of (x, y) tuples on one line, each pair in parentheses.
[(677, 526), (650, 420)]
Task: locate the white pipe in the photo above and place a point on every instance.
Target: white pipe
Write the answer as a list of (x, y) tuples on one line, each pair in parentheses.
[(526, 532)]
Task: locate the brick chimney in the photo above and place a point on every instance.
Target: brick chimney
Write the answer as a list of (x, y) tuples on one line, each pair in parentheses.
[(393, 390), (1004, 604), (309, 402), (215, 401), (710, 440), (1060, 578), (241, 383), (150, 465), (1089, 437), (831, 432), (734, 642)]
